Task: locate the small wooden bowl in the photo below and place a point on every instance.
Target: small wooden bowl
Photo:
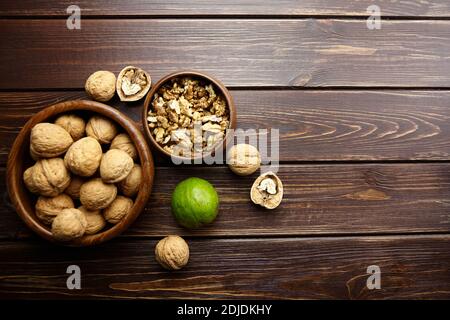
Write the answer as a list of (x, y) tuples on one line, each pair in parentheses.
[(19, 160), (195, 74)]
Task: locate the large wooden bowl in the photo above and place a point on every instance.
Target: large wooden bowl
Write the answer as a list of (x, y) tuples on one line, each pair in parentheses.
[(195, 74), (19, 160)]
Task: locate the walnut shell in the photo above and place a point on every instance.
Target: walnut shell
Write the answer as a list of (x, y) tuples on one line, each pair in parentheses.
[(95, 194), (49, 140), (172, 253), (130, 185), (73, 124), (48, 208), (267, 190), (69, 224), (118, 209), (84, 156), (48, 177), (95, 220), (102, 129), (115, 166), (73, 190), (101, 85), (243, 159), (132, 83), (123, 142)]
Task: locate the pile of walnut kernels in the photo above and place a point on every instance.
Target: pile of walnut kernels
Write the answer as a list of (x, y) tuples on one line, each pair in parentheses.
[(85, 174), (188, 117)]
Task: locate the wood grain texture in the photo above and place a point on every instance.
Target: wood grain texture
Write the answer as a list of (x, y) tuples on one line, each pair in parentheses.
[(318, 200), (290, 8), (329, 268), (314, 125), (297, 53)]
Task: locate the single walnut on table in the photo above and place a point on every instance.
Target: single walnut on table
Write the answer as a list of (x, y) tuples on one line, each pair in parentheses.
[(172, 253), (188, 117), (101, 85)]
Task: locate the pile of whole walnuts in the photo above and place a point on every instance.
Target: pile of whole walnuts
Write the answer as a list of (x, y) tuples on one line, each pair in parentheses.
[(83, 164)]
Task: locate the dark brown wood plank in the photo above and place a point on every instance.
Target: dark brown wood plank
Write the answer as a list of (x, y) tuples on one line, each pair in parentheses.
[(318, 200), (291, 8), (297, 53), (328, 268), (314, 125)]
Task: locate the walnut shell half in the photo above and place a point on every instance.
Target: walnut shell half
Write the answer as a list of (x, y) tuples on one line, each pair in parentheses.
[(132, 84), (267, 190)]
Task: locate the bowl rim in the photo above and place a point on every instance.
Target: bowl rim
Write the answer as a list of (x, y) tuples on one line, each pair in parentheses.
[(199, 74), (15, 183)]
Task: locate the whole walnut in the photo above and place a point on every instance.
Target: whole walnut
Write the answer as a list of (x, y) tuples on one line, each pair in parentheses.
[(69, 224), (49, 140), (48, 208), (118, 209), (73, 190), (243, 159), (130, 185), (83, 157), (267, 190), (172, 253), (101, 128), (73, 124), (95, 220), (101, 85), (95, 194), (115, 166), (48, 177), (123, 142)]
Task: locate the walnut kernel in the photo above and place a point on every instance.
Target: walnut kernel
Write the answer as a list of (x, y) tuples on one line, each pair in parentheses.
[(267, 190)]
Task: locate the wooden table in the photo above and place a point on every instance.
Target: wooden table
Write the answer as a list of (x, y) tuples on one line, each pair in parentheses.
[(364, 119)]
